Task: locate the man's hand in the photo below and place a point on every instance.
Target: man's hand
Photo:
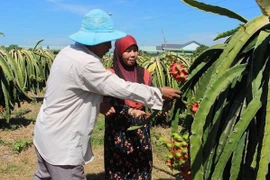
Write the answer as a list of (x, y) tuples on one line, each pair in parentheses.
[(169, 93)]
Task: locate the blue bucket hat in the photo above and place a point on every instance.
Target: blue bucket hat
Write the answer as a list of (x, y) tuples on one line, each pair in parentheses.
[(97, 27)]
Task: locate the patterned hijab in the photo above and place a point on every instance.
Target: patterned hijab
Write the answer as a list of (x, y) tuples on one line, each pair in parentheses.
[(129, 73)]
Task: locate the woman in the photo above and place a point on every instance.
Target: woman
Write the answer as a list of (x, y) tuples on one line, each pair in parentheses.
[(128, 154)]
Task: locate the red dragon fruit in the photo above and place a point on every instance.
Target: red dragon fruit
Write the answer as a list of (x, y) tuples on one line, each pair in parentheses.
[(179, 72)]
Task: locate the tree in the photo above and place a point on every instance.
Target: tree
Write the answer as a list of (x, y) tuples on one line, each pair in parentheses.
[(13, 46), (200, 49)]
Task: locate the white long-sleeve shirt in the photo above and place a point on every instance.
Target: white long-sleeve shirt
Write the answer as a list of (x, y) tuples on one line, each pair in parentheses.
[(75, 88)]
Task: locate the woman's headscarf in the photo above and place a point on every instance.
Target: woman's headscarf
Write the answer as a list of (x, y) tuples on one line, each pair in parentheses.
[(122, 44), (133, 73)]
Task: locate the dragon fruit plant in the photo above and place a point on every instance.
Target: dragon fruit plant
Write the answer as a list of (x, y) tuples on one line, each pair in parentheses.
[(22, 71), (225, 106)]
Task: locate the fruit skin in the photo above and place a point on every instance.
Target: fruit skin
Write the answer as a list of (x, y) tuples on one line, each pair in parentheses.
[(170, 156), (194, 107), (169, 145), (177, 144), (178, 72), (186, 172), (170, 162), (178, 138), (178, 154)]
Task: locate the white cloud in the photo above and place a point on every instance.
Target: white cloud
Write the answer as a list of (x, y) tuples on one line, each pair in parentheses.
[(82, 9), (75, 8), (147, 18), (78, 9)]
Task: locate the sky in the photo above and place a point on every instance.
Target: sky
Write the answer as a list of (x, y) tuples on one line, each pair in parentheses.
[(151, 22)]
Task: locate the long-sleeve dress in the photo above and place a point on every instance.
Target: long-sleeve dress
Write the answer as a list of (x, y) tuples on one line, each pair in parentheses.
[(128, 154)]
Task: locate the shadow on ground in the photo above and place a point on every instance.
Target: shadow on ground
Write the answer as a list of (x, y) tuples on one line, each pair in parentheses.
[(15, 123), (175, 176), (99, 176)]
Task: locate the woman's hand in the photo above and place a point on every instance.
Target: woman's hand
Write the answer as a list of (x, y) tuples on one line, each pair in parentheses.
[(135, 112), (106, 109)]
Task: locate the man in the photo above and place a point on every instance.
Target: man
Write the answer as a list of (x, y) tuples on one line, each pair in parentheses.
[(75, 88)]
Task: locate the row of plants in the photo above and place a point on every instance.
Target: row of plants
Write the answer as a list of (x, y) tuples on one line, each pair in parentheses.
[(22, 71), (26, 70)]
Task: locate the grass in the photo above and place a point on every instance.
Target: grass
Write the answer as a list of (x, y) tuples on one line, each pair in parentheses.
[(98, 132)]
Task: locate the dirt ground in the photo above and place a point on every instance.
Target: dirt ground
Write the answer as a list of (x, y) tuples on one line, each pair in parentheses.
[(21, 166)]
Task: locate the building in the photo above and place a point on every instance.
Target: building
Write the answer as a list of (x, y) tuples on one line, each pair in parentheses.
[(187, 48)]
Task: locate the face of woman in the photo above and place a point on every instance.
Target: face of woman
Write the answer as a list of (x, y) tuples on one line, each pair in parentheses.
[(130, 55)]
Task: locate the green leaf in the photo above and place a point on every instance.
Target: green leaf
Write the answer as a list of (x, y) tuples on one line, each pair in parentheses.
[(226, 34), (265, 6), (40, 41), (237, 157), (236, 44), (265, 151), (6, 68), (215, 9), (212, 93), (245, 118), (175, 118)]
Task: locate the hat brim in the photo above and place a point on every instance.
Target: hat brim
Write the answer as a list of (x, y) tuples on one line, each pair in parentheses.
[(91, 38)]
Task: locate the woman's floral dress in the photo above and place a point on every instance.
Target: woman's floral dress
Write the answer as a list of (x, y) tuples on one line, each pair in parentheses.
[(128, 154)]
